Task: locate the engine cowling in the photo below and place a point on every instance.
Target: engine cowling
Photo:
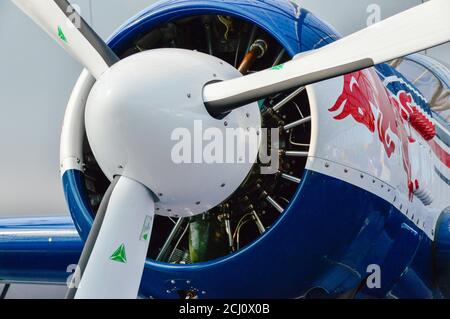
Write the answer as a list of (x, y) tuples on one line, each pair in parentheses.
[(442, 252), (273, 33)]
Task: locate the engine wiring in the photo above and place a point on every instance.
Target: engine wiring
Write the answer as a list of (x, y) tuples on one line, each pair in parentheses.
[(258, 198)]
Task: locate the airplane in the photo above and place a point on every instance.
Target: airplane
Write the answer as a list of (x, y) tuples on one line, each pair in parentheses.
[(362, 186)]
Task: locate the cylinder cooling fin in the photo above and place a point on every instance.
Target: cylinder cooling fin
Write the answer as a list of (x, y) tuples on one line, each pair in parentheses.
[(262, 198)]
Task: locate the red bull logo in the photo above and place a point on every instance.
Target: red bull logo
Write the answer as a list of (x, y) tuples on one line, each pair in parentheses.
[(365, 99)]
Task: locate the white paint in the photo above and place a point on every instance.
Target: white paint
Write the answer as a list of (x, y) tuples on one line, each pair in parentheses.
[(130, 206), (347, 150), (52, 20), (411, 31), (73, 130), (133, 110), (30, 124)]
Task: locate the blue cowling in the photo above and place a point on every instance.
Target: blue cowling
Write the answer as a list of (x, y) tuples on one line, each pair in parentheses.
[(442, 252), (313, 244)]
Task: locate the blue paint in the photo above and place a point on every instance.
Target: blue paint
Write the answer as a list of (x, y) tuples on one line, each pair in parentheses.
[(296, 29), (442, 248), (314, 244), (442, 176), (78, 202), (385, 71), (38, 249)]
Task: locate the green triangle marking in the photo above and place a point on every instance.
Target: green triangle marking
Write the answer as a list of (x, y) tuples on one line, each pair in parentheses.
[(278, 67), (61, 34), (145, 237), (119, 255)]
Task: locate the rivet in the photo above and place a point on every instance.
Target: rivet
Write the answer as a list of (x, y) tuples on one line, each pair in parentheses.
[(225, 123), (327, 165), (172, 282), (247, 115), (197, 203), (160, 194), (189, 95), (223, 185)]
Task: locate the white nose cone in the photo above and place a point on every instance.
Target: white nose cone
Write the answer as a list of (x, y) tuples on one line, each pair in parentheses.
[(146, 120)]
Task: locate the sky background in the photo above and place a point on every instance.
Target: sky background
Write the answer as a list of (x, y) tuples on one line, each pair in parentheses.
[(37, 77)]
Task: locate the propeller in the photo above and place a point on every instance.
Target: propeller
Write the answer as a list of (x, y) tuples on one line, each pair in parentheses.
[(116, 263), (113, 258), (135, 108), (63, 24), (416, 29), (129, 128)]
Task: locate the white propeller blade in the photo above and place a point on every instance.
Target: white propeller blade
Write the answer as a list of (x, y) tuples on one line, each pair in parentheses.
[(63, 23), (419, 28), (116, 264)]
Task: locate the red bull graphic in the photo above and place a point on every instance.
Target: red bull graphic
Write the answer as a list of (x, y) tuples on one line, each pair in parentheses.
[(356, 100), (365, 99)]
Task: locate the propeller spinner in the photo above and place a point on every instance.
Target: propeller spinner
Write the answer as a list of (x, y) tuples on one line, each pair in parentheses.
[(136, 105)]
